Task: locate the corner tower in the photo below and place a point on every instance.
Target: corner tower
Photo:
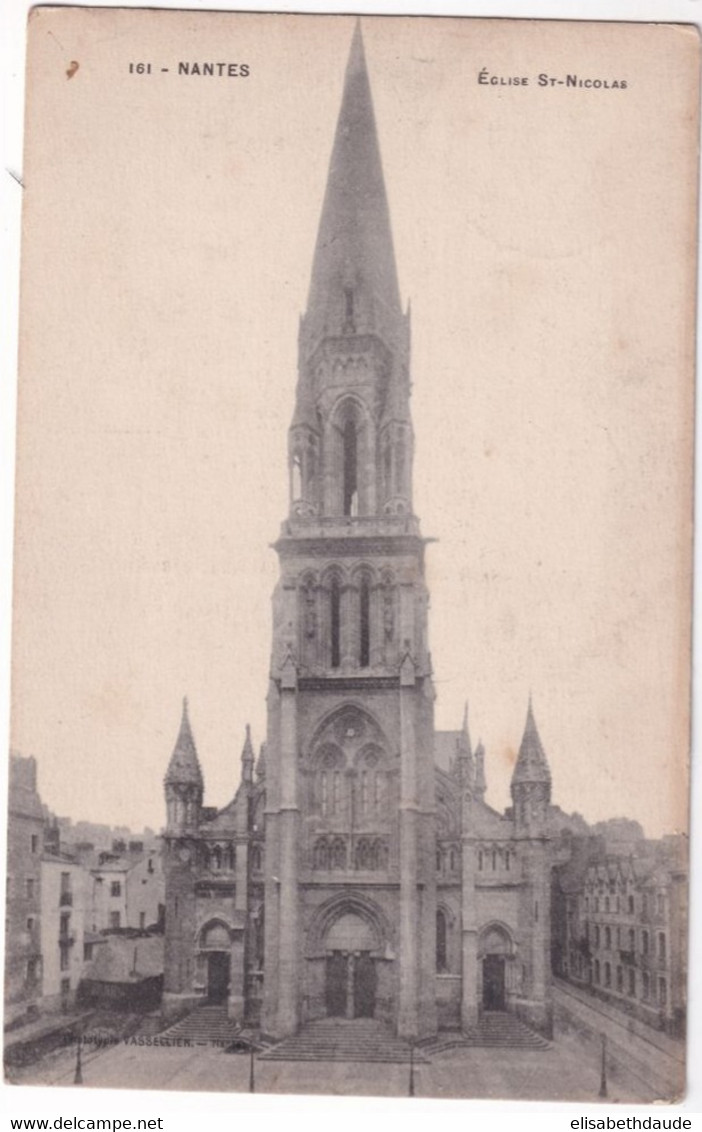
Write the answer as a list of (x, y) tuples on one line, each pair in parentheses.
[(350, 879)]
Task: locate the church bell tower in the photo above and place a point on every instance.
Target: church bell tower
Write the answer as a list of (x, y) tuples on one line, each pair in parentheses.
[(350, 897)]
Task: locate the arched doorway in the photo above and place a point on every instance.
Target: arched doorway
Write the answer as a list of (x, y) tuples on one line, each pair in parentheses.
[(495, 949), (351, 976), (215, 943)]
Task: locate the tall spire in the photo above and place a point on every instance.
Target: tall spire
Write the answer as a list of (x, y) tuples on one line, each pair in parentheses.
[(354, 286), (184, 767)]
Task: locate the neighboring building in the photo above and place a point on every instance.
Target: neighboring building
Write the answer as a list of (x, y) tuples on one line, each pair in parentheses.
[(63, 893), (358, 871), (126, 973), (622, 926), (126, 890), (23, 965)]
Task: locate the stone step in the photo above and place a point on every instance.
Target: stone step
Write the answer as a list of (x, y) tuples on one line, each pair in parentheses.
[(205, 1024), (330, 1040), (495, 1031)]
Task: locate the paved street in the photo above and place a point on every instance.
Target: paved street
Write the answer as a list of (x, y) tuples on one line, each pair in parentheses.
[(563, 1072)]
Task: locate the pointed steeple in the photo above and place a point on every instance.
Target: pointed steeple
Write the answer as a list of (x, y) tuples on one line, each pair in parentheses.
[(184, 767), (247, 757), (354, 288), (532, 764)]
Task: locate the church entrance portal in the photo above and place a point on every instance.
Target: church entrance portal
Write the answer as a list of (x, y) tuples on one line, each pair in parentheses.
[(217, 976), (494, 982), (351, 985)]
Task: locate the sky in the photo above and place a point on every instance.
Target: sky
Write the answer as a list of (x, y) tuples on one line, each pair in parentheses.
[(544, 238)]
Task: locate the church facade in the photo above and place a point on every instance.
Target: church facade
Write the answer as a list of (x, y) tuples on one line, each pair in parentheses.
[(358, 871)]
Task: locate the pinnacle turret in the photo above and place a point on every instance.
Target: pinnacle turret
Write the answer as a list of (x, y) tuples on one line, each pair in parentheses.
[(532, 764), (184, 767), (247, 757)]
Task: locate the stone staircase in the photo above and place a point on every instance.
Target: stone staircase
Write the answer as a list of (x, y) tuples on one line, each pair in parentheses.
[(494, 1030), (206, 1025), (336, 1039)]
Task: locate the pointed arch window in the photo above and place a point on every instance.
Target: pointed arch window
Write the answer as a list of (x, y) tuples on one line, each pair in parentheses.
[(441, 933), (350, 467), (335, 618), (324, 792), (364, 657), (297, 477)]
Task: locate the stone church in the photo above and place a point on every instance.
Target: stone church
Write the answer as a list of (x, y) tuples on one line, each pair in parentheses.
[(358, 872)]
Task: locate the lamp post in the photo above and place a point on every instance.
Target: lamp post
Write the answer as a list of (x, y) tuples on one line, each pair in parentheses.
[(252, 1079), (78, 1075), (603, 1068), (411, 1072)]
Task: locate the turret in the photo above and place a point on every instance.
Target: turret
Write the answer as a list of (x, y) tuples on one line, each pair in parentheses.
[(531, 780), (183, 782)]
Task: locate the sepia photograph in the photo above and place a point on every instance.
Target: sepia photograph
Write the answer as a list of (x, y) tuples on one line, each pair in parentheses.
[(352, 600)]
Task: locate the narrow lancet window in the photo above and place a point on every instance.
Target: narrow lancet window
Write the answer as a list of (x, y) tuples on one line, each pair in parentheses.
[(335, 612), (365, 624), (297, 477), (350, 442), (441, 955)]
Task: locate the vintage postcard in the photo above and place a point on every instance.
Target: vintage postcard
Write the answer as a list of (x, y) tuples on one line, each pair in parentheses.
[(353, 566)]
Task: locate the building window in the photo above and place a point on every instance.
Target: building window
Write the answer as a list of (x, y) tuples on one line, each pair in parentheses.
[(335, 616), (607, 975), (32, 970), (150, 866), (597, 971), (660, 908), (65, 924), (608, 939), (365, 623), (350, 446), (620, 980), (631, 905), (662, 992), (30, 888), (632, 939), (661, 947), (494, 860), (606, 903), (30, 923), (115, 919), (632, 982), (35, 842), (441, 953), (508, 860), (646, 989), (597, 937), (452, 860), (438, 860), (644, 942), (480, 860), (597, 903), (65, 958), (116, 888)]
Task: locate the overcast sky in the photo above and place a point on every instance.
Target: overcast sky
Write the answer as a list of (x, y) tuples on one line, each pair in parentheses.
[(544, 237)]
